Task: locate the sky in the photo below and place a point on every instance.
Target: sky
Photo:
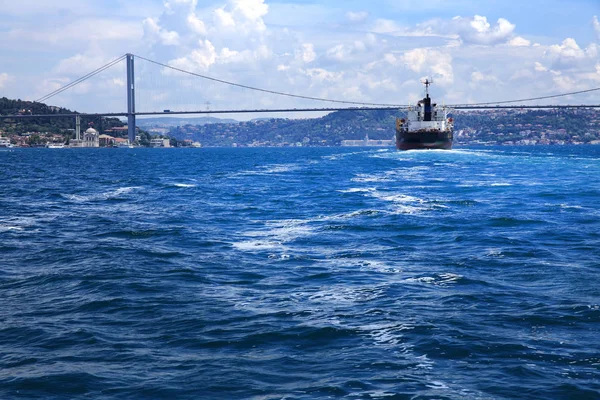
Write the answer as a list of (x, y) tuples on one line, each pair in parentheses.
[(366, 51)]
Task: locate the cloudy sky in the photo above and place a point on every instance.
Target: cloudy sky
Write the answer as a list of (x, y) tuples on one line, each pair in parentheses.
[(370, 51)]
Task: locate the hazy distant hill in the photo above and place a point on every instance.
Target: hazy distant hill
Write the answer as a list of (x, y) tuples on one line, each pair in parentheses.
[(328, 130), (179, 121), (490, 126)]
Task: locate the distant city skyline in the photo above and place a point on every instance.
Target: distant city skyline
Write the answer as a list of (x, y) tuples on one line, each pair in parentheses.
[(351, 50)]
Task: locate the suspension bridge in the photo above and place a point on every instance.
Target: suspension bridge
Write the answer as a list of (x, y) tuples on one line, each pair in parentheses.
[(131, 84)]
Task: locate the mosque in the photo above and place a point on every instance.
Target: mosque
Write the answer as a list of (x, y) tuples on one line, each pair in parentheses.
[(91, 138)]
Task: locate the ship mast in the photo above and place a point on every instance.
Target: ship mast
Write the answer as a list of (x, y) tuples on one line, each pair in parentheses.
[(426, 102), (427, 82)]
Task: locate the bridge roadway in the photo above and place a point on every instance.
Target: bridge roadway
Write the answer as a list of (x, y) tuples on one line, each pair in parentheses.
[(284, 110)]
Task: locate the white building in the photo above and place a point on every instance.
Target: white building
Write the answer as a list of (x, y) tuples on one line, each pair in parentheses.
[(160, 142), (91, 138)]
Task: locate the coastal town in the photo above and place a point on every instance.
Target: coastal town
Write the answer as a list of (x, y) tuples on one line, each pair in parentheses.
[(90, 139), (340, 128)]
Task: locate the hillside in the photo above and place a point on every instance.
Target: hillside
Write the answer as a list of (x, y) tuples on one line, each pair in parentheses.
[(46, 125), (162, 122), (489, 126)]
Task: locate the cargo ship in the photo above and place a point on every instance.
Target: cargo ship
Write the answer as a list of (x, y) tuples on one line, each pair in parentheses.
[(426, 126)]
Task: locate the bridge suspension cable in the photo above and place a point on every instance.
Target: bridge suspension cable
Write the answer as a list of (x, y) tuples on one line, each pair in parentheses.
[(356, 102), (121, 58), (82, 79), (523, 100), (267, 90)]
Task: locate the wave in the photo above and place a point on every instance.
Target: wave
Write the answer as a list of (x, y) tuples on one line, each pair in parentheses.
[(405, 204), (368, 178), (279, 234), (8, 228), (435, 153), (108, 195), (268, 170), (275, 235), (441, 279), (20, 224), (340, 156), (358, 190), (415, 173), (339, 295), (185, 185)]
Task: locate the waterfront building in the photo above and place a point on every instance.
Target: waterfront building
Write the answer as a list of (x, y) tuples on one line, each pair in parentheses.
[(106, 140), (368, 142), (91, 138), (158, 142)]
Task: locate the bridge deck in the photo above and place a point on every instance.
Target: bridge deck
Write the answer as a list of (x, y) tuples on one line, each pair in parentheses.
[(287, 110)]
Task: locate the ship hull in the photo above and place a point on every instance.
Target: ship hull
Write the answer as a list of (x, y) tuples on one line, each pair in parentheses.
[(423, 140)]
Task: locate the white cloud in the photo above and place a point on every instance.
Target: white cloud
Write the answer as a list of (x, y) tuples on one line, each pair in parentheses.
[(522, 74), (309, 49), (82, 63), (518, 41), (36, 7), (596, 25), (252, 9), (228, 55), (359, 16), (390, 58), (172, 5), (4, 79), (81, 33), (224, 19), (569, 55), (118, 82), (539, 67), (180, 14), (477, 30), (474, 30), (568, 48), (307, 53), (478, 79), (350, 52), (564, 83), (245, 16), (432, 62), (386, 26), (155, 32), (52, 84), (320, 75), (196, 24), (199, 59)]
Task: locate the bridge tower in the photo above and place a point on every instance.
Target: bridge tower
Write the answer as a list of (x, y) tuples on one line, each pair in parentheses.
[(130, 99)]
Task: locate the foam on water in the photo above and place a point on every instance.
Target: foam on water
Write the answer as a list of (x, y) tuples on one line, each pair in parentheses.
[(275, 234), (269, 169), (442, 279), (185, 185), (358, 190), (107, 195)]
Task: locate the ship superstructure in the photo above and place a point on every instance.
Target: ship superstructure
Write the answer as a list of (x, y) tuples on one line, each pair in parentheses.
[(426, 126)]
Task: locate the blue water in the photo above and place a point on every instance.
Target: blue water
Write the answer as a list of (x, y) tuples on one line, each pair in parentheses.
[(300, 273)]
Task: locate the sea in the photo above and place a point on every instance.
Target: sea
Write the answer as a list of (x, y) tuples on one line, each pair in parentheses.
[(300, 273)]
